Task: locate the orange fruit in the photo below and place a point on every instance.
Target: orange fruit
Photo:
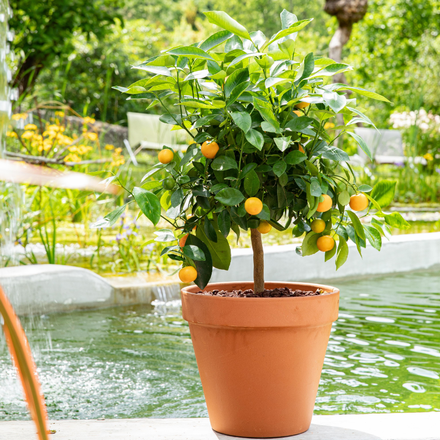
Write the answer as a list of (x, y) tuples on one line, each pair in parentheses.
[(297, 113), (165, 156), (301, 148), (209, 149), (318, 225), (253, 205), (264, 227), (302, 104), (182, 240), (187, 274), (325, 243), (326, 204), (358, 202)]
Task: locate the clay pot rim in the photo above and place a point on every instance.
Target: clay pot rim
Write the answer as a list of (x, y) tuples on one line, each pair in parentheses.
[(330, 291)]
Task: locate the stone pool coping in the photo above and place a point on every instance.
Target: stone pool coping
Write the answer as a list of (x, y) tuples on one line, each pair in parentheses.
[(400, 426), (40, 289)]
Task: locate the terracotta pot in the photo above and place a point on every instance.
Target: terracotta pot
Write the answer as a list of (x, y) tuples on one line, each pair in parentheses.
[(260, 359)]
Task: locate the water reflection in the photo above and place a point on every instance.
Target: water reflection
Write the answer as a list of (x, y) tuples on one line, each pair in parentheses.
[(139, 361)]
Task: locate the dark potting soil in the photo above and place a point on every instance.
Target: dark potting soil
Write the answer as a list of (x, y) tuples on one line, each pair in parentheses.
[(280, 292)]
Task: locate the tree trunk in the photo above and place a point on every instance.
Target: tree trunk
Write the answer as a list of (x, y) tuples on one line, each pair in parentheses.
[(338, 41), (257, 247), (347, 13), (27, 75)]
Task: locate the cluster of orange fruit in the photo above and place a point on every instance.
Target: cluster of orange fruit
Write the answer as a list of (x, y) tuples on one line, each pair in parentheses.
[(254, 206), (358, 202)]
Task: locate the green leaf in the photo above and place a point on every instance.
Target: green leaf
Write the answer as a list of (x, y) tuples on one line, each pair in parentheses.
[(265, 213), (330, 254), (220, 251), (335, 101), (255, 138), (342, 254), (193, 252), (282, 142), (365, 118), (209, 230), (204, 268), (361, 143), (223, 20), (335, 153), (365, 188), (344, 198), (315, 187), (224, 163), (164, 236), (157, 70), (110, 219), (295, 157), (266, 112), (237, 77), (213, 104), (295, 27), (229, 196), (367, 93), (331, 70), (309, 246), (383, 192), (287, 19), (359, 229), (148, 203), (251, 183), (279, 168), (243, 120), (300, 123), (306, 67), (237, 92), (373, 236), (190, 52), (224, 223), (215, 40), (395, 220)]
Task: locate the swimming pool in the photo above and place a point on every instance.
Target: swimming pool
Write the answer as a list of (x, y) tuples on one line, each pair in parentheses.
[(383, 356)]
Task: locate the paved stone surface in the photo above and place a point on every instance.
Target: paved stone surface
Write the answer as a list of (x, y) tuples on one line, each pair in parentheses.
[(412, 426), (402, 253)]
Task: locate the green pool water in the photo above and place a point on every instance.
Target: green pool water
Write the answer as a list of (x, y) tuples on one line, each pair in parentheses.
[(383, 356)]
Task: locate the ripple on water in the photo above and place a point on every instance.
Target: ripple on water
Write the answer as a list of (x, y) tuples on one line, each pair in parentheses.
[(382, 356)]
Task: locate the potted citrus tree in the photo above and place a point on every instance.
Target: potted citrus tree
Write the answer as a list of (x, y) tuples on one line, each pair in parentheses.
[(262, 156)]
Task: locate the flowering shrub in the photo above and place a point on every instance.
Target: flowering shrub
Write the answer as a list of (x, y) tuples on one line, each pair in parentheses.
[(421, 134), (54, 142)]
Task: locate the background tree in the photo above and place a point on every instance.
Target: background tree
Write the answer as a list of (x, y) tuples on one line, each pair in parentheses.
[(347, 13), (44, 31)]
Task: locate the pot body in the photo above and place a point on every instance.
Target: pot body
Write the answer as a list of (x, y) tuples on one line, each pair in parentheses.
[(260, 359)]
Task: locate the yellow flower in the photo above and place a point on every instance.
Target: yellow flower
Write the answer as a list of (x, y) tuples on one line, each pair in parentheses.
[(73, 149), (90, 135), (109, 147), (84, 149), (30, 127), (72, 158), (329, 125), (428, 156), (88, 120), (55, 127), (19, 116), (117, 158), (28, 135), (60, 114), (11, 134)]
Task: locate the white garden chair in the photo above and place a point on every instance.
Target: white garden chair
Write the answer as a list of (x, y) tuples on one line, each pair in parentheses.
[(386, 147)]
